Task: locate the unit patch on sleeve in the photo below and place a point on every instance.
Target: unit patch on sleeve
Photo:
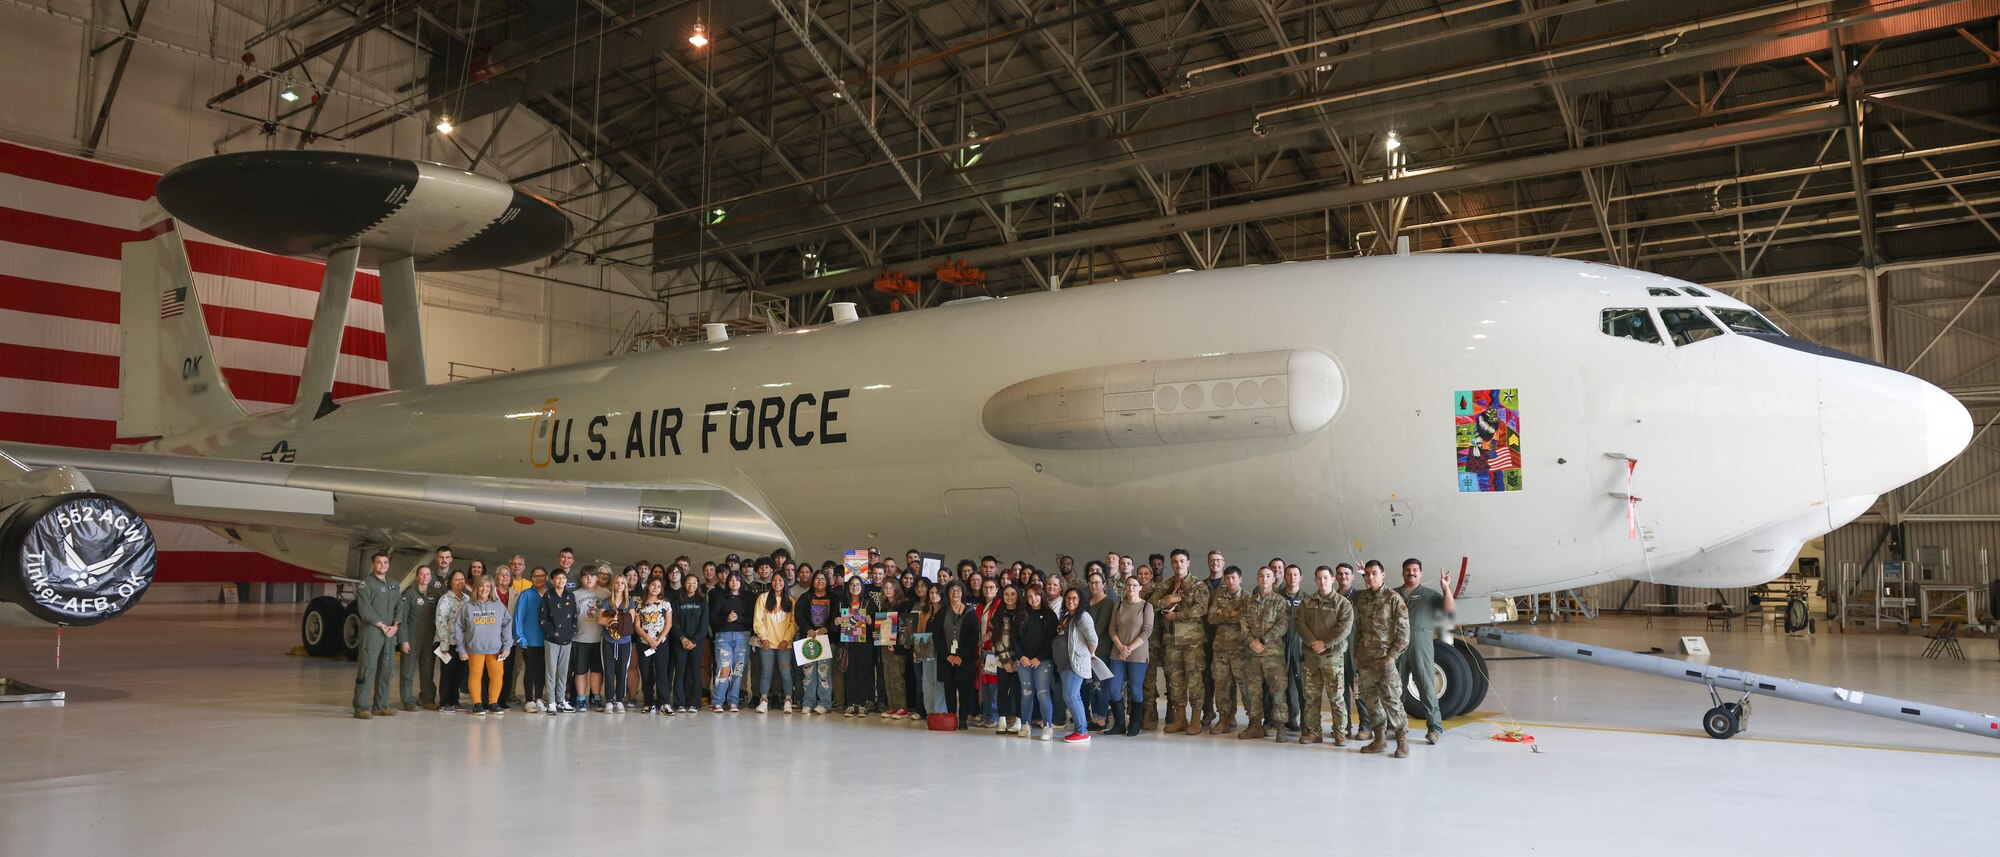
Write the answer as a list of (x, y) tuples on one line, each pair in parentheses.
[(1488, 425)]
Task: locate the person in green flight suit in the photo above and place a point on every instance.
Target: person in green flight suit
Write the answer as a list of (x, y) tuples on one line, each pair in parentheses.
[(1428, 609), (380, 605), (415, 638)]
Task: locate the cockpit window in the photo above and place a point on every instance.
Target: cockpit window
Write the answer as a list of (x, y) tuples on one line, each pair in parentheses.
[(1662, 292), (1745, 321), (1687, 326), (1694, 291), (1631, 323)]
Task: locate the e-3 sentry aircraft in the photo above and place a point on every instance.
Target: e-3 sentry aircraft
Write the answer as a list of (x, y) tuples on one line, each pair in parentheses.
[(1553, 423)]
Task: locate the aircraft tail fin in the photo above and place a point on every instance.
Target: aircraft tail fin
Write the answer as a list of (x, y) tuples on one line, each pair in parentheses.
[(168, 380)]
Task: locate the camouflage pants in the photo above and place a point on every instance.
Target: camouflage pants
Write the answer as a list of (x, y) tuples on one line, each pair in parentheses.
[(1325, 680), (1155, 680), (1264, 677), (1230, 670), (1380, 688), (1187, 668)]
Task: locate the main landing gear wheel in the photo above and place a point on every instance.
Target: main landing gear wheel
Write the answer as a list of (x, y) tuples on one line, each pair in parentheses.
[(320, 630), (350, 634), (1481, 681), (1452, 677)]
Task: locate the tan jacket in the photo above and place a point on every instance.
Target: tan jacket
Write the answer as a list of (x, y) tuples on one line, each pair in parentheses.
[(773, 627)]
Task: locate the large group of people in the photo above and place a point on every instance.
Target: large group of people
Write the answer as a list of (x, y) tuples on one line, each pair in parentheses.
[(1013, 648)]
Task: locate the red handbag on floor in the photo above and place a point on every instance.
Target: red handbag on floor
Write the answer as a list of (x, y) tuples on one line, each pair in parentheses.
[(943, 721)]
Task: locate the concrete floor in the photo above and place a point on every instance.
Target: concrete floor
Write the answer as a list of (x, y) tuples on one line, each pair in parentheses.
[(189, 730)]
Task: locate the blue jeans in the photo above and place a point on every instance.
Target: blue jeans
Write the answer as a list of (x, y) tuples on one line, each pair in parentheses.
[(933, 687), (819, 684), (1127, 675), (777, 661), (1036, 706), (1073, 697), (732, 651), (1061, 677), (989, 700)]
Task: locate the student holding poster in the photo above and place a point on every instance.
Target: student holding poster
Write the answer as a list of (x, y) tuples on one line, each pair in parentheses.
[(815, 611), (857, 648), (895, 659)]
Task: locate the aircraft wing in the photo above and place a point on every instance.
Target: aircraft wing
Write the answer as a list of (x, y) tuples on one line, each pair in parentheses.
[(311, 514)]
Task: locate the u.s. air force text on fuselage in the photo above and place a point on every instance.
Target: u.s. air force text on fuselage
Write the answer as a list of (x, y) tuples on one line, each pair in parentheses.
[(767, 422)]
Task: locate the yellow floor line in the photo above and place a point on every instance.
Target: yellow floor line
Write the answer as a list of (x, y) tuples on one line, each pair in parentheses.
[(1704, 736)]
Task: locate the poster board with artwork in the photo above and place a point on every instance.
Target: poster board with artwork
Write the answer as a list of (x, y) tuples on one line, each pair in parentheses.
[(807, 650)]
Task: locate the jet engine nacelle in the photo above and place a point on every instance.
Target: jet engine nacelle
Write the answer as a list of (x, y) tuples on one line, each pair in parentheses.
[(69, 555)]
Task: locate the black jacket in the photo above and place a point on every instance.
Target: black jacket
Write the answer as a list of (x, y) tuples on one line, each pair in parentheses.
[(1035, 634), (968, 635), (743, 604), (559, 616), (691, 620)]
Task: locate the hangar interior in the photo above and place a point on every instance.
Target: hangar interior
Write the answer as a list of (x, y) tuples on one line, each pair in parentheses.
[(751, 163), (858, 151)]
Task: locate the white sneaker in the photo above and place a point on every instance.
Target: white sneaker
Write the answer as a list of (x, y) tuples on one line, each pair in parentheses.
[(819, 710), (550, 711), (788, 706), (764, 706), (1048, 734), (534, 707)]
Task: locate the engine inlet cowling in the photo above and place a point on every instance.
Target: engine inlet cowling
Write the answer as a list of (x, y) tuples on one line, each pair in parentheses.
[(75, 559)]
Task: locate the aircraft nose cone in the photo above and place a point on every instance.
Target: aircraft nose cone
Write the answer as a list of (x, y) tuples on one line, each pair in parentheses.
[(1947, 427), (1881, 429)]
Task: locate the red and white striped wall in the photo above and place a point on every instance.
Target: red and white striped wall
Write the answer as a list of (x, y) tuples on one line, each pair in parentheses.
[(62, 220)]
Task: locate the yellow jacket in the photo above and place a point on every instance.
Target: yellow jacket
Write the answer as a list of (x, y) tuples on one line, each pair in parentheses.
[(773, 626)]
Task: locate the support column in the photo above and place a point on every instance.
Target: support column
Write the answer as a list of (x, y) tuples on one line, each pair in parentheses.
[(402, 325), (315, 397)]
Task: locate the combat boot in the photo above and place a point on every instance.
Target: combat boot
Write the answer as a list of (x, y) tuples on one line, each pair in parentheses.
[(1222, 725), (1431, 736), (1310, 738), (1374, 746), (1176, 720), (1402, 747), (1339, 738), (1254, 730), (1278, 735)]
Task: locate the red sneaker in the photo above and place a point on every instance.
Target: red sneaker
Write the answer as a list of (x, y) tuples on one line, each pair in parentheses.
[(1076, 738)]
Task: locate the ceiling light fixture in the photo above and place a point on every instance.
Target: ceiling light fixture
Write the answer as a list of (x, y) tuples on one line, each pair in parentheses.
[(288, 93), (443, 124), (1393, 142), (698, 38)]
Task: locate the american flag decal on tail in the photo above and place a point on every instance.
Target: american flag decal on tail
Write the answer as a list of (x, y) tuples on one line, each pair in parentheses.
[(172, 302)]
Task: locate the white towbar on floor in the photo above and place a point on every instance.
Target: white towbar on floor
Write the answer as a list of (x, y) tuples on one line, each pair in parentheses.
[(1728, 718)]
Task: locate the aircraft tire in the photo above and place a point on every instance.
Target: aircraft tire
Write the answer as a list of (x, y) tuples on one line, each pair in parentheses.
[(1721, 722), (320, 627), (350, 633), (1452, 677), (1476, 667), (1797, 617)]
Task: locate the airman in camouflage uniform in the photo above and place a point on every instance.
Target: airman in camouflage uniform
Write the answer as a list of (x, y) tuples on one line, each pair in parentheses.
[(1324, 621), (1382, 632), (1267, 617), (1181, 603), (1228, 665)]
